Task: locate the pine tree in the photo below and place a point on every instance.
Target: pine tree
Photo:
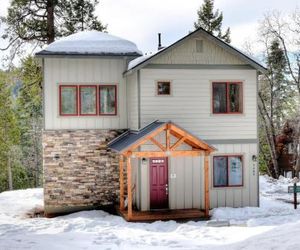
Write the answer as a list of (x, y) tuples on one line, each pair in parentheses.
[(79, 17), (211, 21), (9, 133), (29, 107), (41, 21)]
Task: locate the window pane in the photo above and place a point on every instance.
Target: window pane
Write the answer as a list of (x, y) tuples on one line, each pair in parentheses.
[(88, 100), (220, 171), (68, 100), (163, 88), (108, 100), (219, 97), (235, 98), (235, 171)]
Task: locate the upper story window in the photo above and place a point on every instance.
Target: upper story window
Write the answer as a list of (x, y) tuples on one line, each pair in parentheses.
[(108, 99), (228, 171), (68, 100), (84, 98), (88, 100), (227, 98), (163, 88)]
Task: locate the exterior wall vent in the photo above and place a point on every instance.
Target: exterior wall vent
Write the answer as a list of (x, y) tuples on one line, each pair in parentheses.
[(199, 46)]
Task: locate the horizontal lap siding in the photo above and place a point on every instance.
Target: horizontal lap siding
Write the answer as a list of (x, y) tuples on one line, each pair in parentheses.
[(83, 71), (190, 103)]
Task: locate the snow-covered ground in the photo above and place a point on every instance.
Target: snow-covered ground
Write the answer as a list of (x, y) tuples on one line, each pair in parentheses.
[(275, 225)]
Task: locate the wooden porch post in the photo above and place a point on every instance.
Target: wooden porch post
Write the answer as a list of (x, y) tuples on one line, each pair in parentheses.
[(168, 138), (206, 183), (121, 164), (129, 191)]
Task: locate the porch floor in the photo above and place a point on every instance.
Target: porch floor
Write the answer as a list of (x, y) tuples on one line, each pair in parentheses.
[(177, 214)]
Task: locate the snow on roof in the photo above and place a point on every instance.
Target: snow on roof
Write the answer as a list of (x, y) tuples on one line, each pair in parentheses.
[(139, 60), (92, 42)]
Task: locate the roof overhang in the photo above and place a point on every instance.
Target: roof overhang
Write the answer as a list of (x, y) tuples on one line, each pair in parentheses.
[(45, 53), (229, 48)]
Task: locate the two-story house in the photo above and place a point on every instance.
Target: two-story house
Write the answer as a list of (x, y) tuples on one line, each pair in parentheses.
[(168, 135)]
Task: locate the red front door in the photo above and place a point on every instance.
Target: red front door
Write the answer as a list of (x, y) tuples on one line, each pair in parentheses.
[(159, 183)]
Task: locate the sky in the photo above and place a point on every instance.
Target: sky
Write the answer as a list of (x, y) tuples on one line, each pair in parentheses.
[(141, 20)]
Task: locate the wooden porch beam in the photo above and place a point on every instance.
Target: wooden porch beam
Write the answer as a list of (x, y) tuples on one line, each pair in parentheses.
[(189, 137), (206, 184), (157, 144), (121, 165), (129, 190), (178, 143), (146, 138), (168, 138), (147, 154)]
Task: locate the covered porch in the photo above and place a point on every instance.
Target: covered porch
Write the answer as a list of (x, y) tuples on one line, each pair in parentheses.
[(158, 143)]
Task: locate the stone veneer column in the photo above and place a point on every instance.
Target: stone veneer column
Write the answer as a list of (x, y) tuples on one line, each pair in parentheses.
[(80, 172)]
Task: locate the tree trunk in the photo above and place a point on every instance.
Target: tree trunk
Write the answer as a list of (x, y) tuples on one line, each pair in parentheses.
[(9, 172), (50, 21)]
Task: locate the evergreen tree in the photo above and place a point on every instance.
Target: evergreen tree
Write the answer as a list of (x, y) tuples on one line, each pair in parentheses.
[(79, 16), (41, 21), (211, 21), (29, 107), (9, 133)]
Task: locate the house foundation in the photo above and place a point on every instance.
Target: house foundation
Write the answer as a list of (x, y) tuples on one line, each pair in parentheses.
[(80, 172)]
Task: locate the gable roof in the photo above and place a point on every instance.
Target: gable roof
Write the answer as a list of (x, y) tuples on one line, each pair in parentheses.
[(142, 61), (131, 137)]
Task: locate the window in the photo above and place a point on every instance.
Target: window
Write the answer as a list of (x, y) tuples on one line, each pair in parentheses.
[(88, 102), (108, 99), (227, 97), (82, 100), (68, 100), (163, 88), (228, 171)]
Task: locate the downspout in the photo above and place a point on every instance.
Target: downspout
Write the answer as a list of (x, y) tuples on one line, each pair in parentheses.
[(139, 98), (139, 126), (257, 134)]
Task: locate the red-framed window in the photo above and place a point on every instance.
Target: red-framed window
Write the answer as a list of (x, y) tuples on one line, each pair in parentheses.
[(107, 100), (68, 100), (88, 100), (227, 97), (163, 88), (228, 171)]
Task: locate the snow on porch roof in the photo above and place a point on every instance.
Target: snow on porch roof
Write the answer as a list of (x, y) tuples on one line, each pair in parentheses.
[(131, 137), (91, 43)]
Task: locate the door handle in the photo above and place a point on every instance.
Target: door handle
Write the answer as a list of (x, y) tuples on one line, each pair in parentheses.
[(167, 189)]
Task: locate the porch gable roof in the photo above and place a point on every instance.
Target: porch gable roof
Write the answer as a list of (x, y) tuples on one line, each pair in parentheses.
[(130, 138)]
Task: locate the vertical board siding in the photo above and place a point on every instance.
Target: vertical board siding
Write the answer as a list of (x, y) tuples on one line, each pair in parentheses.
[(187, 189), (190, 102), (132, 101), (247, 195), (83, 71)]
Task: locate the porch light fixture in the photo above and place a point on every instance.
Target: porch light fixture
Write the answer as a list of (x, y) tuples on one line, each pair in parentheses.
[(144, 161), (254, 158), (168, 153)]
